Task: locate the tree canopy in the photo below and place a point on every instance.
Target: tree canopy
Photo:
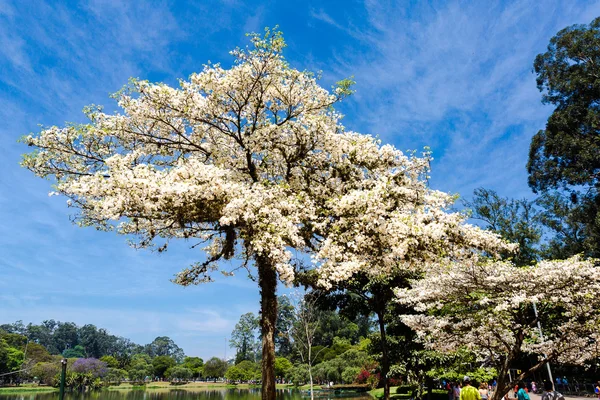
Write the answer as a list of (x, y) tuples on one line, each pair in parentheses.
[(566, 154)]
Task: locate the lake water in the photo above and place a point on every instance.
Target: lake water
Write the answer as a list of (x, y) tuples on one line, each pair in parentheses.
[(174, 394)]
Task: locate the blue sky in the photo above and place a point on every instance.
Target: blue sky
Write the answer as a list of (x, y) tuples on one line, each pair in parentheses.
[(455, 76)]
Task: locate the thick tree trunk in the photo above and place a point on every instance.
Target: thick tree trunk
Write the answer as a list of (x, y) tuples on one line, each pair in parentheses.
[(267, 281), (502, 383), (429, 388), (385, 361)]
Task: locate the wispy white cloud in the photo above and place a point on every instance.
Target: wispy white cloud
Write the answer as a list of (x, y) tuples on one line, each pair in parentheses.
[(455, 76)]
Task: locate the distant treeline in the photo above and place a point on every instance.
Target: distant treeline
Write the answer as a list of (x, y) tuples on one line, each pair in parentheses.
[(73, 341)]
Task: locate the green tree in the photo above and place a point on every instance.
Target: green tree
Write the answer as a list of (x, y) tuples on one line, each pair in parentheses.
[(364, 295), (245, 371), (45, 371), (567, 216), (111, 361), (4, 356), (124, 349), (285, 322), (15, 358), (282, 366), (179, 373), (76, 352), (299, 374), (243, 338), (65, 336), (140, 367), (139, 372), (17, 327), (37, 353), (215, 368), (235, 374), (164, 346), (194, 364), (161, 363), (350, 374), (517, 221), (115, 376), (43, 334), (566, 154)]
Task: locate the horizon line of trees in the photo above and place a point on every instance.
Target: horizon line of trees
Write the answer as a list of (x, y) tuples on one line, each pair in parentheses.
[(95, 358)]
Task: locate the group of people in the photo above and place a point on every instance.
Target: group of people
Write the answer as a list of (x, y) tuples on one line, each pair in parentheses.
[(465, 391), (521, 392)]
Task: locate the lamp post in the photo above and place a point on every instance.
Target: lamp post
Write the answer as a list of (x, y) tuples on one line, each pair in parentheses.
[(63, 372)]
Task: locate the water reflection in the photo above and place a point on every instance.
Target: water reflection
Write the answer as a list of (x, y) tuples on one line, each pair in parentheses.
[(181, 394)]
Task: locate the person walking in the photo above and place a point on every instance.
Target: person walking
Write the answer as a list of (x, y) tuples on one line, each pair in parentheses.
[(549, 392), (483, 391), (521, 393), (456, 391), (468, 392)]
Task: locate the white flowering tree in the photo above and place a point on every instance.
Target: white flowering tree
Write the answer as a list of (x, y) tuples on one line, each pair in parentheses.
[(247, 161), (387, 230), (487, 307)]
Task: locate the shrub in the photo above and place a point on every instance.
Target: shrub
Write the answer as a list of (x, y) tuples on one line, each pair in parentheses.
[(350, 374), (373, 380), (363, 376)]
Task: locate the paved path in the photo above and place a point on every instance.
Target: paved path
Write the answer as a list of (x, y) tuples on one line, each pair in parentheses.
[(534, 396)]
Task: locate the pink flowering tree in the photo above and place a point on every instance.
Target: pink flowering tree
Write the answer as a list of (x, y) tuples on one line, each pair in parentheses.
[(487, 307)]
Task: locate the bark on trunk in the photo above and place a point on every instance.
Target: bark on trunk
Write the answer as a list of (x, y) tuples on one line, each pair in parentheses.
[(502, 384), (267, 281), (385, 362), (429, 388)]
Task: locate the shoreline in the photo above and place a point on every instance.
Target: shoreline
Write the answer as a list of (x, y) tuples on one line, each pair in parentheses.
[(152, 386)]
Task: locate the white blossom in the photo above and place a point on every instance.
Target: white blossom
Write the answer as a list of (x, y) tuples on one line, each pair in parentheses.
[(487, 307)]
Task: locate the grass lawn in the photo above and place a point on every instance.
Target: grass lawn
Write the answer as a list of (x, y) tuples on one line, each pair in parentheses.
[(378, 393), (26, 389)]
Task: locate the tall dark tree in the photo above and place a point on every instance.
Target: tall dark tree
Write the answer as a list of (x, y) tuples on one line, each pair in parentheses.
[(43, 334), (568, 215), (93, 340), (285, 322), (566, 155), (65, 336), (365, 295), (164, 346), (160, 364), (243, 338), (515, 220), (215, 368)]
